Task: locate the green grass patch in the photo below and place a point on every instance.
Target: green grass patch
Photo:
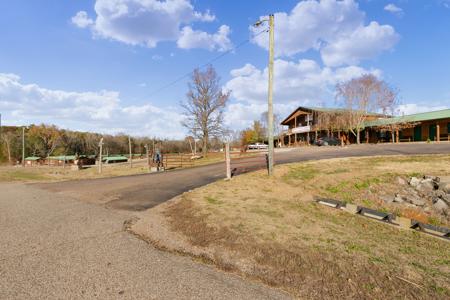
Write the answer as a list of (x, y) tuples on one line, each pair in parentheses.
[(212, 200), (300, 173)]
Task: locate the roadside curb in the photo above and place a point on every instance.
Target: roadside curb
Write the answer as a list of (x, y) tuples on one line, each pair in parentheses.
[(388, 218)]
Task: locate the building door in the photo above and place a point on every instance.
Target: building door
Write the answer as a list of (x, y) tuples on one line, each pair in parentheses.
[(418, 133), (432, 132)]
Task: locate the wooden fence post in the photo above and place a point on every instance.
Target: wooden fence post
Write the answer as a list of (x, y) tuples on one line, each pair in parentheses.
[(228, 160)]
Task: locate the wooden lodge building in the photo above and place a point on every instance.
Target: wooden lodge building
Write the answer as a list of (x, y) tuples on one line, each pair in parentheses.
[(306, 124)]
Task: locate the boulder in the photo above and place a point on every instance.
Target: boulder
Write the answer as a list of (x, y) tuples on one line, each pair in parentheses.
[(446, 198), (426, 186), (440, 206), (415, 200), (433, 178), (445, 187), (399, 198), (414, 181)]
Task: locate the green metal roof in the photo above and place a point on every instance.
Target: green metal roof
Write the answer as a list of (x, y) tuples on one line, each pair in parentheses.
[(32, 158), (62, 157), (420, 117)]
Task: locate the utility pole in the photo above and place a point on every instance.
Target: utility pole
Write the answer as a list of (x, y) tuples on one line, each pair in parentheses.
[(131, 154), (100, 158), (23, 146), (270, 94)]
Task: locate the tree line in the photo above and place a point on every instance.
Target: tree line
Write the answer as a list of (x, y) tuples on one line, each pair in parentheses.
[(49, 140)]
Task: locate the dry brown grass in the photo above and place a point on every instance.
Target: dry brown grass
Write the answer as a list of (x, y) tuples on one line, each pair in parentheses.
[(270, 229)]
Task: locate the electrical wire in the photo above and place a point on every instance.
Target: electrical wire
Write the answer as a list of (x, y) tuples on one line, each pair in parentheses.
[(205, 64)]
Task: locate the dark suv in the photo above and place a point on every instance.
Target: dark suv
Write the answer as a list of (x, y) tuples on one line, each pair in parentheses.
[(327, 141)]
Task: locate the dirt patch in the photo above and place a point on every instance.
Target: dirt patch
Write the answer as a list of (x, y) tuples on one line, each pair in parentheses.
[(269, 229)]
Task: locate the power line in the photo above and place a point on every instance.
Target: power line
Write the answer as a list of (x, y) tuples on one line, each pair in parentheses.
[(205, 64)]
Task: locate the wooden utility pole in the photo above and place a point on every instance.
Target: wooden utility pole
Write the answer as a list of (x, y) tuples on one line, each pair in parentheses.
[(270, 92), (23, 146), (228, 160), (100, 158), (131, 154)]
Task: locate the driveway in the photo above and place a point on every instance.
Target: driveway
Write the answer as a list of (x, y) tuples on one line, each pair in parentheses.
[(55, 247), (140, 192)]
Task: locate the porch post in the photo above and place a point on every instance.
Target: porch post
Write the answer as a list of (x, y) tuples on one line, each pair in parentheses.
[(397, 137), (438, 133)]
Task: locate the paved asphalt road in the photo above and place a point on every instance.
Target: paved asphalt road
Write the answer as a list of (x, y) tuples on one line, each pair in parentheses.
[(141, 192)]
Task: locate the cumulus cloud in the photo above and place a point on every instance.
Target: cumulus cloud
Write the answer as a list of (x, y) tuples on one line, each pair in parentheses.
[(302, 82), (82, 20), (327, 26), (364, 43), (148, 22), (392, 8), (190, 38), (100, 111)]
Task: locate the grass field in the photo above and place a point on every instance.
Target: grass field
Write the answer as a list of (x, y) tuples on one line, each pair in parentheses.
[(270, 229)]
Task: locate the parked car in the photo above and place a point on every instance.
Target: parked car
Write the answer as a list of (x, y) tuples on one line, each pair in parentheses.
[(327, 141), (257, 146)]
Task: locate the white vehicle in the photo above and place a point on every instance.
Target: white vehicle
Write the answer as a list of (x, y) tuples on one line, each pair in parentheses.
[(257, 146)]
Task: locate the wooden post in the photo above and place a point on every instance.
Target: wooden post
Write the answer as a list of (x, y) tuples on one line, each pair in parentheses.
[(181, 160), (148, 158), (228, 160), (131, 154), (342, 141), (23, 146), (100, 158), (397, 136), (438, 133)]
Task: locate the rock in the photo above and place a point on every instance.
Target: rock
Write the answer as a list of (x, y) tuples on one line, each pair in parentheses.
[(446, 198), (433, 178), (440, 206), (415, 200), (439, 193), (414, 181), (402, 181), (445, 187), (387, 198), (399, 198), (426, 186)]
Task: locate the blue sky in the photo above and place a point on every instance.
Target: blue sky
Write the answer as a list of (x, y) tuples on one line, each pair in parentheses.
[(94, 65)]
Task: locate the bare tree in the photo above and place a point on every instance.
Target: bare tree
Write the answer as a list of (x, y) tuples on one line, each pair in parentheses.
[(204, 106), (8, 138), (362, 96)]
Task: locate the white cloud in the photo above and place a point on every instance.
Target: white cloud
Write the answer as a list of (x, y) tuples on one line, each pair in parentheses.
[(303, 82), (82, 20), (145, 22), (90, 111), (330, 25), (190, 38), (414, 108), (364, 43), (392, 8)]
